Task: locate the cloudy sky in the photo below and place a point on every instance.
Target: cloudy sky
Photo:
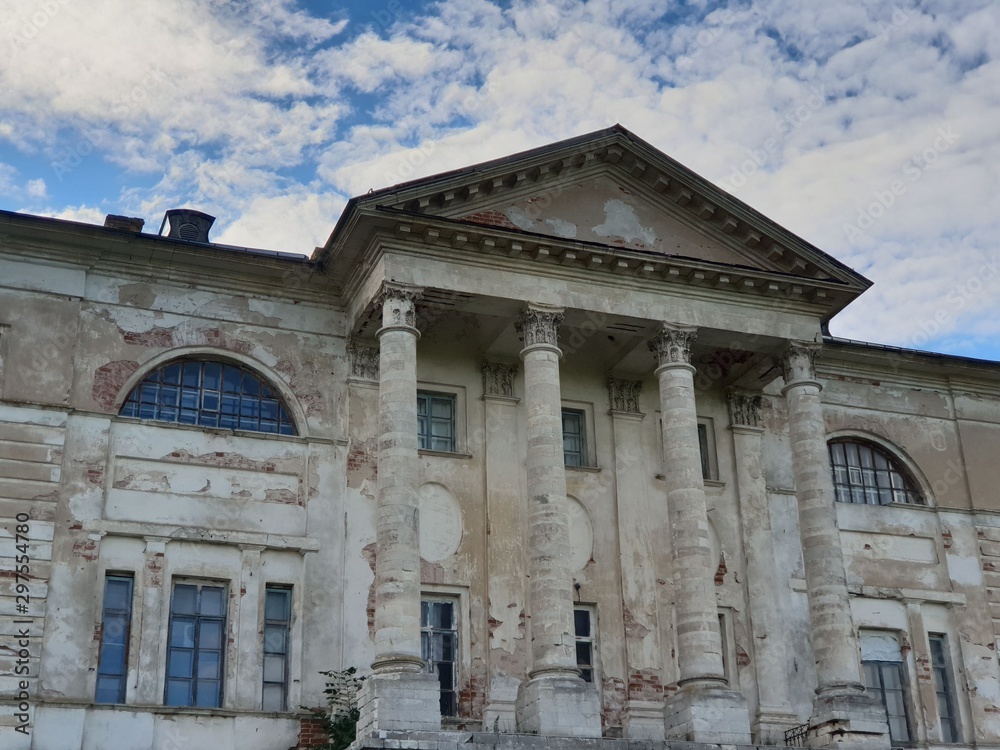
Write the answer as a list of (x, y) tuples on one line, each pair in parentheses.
[(870, 128)]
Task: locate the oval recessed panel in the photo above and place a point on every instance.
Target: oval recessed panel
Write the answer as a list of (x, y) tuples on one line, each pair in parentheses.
[(440, 522)]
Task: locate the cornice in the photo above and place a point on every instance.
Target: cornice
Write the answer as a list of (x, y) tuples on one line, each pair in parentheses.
[(499, 247)]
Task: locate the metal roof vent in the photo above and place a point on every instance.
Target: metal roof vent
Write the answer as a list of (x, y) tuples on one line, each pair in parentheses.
[(187, 224)]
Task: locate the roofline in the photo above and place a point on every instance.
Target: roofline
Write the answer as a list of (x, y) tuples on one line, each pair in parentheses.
[(889, 349), (13, 217)]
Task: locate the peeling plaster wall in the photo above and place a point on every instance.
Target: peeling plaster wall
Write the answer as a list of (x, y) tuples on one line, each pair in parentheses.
[(110, 494)]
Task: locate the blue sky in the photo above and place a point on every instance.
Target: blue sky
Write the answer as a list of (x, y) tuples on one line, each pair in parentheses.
[(872, 129)]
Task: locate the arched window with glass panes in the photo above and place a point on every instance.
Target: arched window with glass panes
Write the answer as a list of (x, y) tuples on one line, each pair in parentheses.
[(209, 393), (866, 473)]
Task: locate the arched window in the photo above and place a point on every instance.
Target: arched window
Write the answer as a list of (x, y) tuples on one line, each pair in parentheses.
[(866, 473), (209, 394)]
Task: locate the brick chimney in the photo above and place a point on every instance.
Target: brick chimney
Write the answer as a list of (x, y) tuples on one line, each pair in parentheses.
[(128, 223)]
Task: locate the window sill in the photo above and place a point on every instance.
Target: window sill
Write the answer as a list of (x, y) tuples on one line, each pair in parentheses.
[(587, 469), (443, 454)]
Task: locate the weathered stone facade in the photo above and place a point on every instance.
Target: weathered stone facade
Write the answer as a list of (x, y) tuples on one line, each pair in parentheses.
[(482, 455)]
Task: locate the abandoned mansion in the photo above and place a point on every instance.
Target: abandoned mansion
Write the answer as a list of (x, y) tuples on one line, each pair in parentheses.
[(556, 450)]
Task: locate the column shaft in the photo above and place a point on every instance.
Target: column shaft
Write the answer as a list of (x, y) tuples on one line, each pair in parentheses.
[(835, 646), (397, 561)]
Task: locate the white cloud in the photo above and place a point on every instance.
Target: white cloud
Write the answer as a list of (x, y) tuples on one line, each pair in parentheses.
[(36, 188)]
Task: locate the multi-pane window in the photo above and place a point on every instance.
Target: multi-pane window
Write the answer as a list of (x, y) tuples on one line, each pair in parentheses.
[(277, 624), (864, 473), (439, 647), (882, 663), (196, 645), (436, 421), (583, 624), (209, 394), (943, 688), (706, 456), (574, 429), (112, 667)]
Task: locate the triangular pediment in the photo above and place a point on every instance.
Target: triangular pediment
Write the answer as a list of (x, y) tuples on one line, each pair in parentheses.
[(600, 209), (610, 192)]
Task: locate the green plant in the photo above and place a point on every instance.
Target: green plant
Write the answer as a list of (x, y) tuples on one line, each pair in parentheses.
[(340, 719)]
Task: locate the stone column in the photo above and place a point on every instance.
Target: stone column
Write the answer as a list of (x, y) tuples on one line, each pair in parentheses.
[(842, 713), (774, 710), (704, 709), (399, 696), (637, 541), (555, 700), (248, 688)]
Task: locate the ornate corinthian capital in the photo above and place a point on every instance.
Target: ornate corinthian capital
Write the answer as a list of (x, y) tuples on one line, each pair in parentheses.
[(539, 325), (398, 304), (498, 379), (744, 408), (672, 346), (798, 362), (624, 394)]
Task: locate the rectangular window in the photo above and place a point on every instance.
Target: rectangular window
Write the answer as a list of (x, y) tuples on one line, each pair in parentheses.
[(277, 624), (574, 437), (439, 647), (196, 645), (882, 663), (583, 623), (112, 666), (706, 462), (943, 688), (436, 421)]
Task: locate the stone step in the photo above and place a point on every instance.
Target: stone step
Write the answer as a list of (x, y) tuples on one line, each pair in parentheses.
[(495, 741)]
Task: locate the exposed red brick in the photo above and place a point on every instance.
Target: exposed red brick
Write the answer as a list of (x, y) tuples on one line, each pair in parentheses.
[(162, 338), (490, 218), (109, 380), (720, 574), (612, 705), (645, 685), (86, 549), (311, 733)]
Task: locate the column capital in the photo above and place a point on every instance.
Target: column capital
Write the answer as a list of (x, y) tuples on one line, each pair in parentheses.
[(498, 379), (398, 302), (538, 325), (672, 345), (744, 408), (798, 364), (624, 395)]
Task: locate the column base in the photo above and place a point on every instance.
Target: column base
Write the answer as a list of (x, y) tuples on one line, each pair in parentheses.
[(558, 707), (771, 724), (399, 701), (708, 714), (644, 720), (848, 722)]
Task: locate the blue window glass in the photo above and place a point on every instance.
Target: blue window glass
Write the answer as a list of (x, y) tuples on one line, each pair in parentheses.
[(209, 394), (196, 645), (574, 438), (277, 622), (436, 421), (112, 668)]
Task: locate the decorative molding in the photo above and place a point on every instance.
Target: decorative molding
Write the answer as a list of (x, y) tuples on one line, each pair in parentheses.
[(672, 346), (798, 362), (744, 408), (364, 361), (398, 304), (498, 379), (624, 395), (539, 325)]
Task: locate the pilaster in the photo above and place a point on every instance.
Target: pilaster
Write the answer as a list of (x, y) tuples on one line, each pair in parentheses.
[(843, 714), (554, 700), (704, 709), (774, 710), (643, 717)]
